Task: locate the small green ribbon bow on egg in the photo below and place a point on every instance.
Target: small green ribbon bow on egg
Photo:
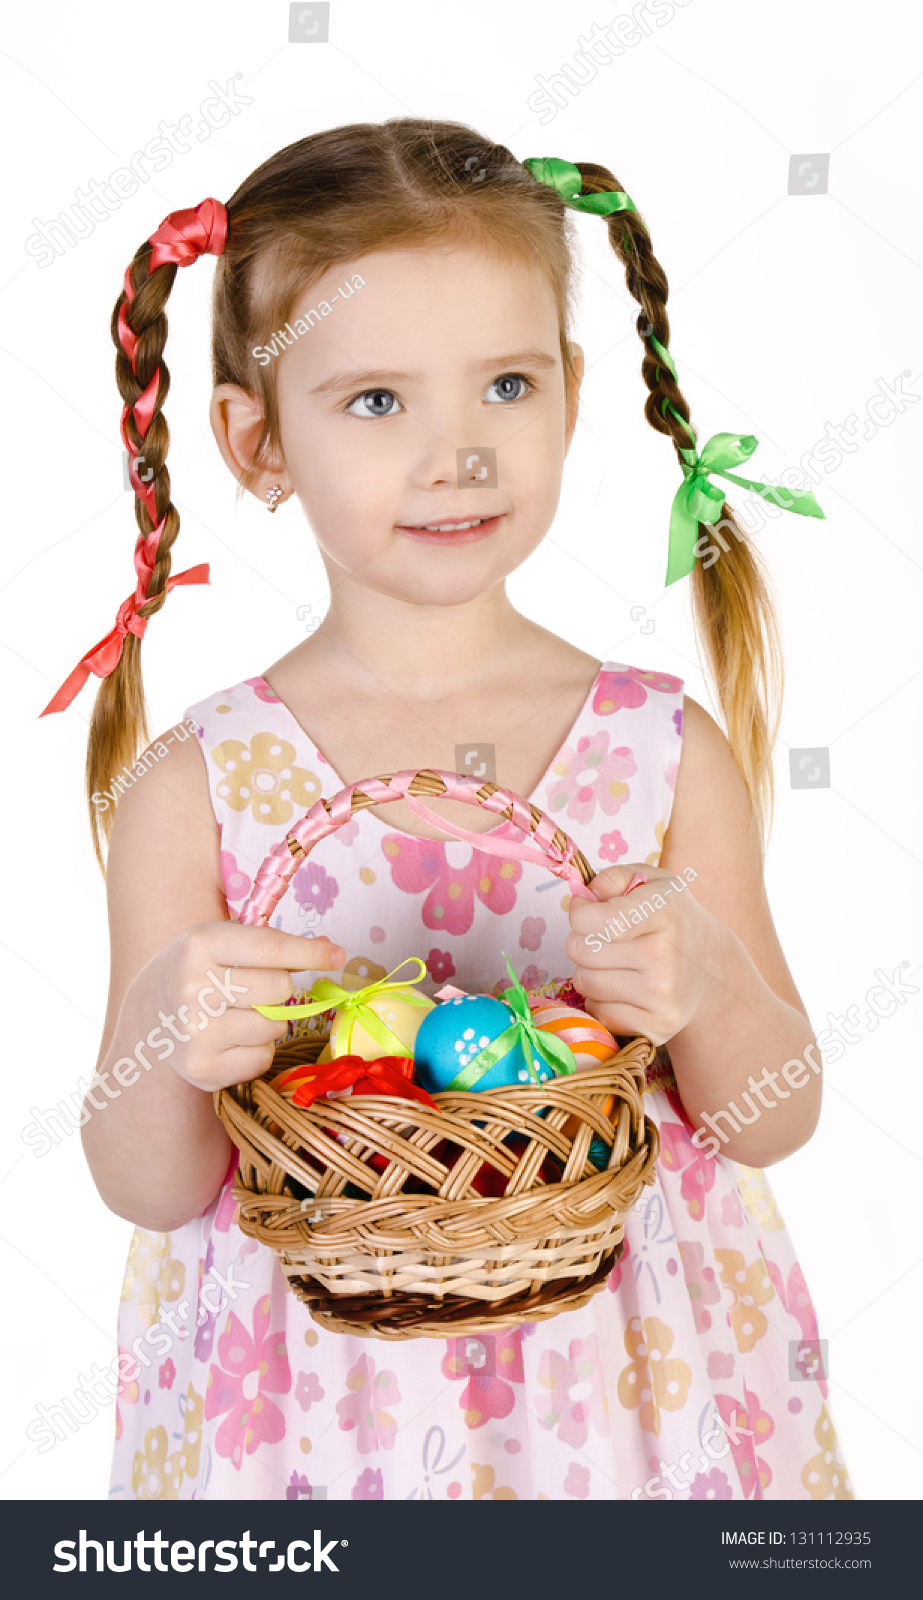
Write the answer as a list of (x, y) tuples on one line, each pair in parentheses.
[(355, 1002), (524, 1031)]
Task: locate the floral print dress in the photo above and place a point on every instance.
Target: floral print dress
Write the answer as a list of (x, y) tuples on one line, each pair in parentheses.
[(695, 1374)]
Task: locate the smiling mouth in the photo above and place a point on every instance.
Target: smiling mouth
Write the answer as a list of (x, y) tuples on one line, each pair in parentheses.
[(448, 527)]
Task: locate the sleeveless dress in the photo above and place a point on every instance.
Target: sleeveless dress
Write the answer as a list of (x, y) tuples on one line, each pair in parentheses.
[(696, 1373)]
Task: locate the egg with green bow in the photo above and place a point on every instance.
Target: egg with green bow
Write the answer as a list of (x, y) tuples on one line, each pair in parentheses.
[(453, 1034)]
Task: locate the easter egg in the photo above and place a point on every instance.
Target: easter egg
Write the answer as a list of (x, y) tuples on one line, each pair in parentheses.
[(348, 1036), (589, 1041), (599, 1153), (453, 1033)]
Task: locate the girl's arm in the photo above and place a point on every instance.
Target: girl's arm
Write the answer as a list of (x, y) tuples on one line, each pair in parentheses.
[(155, 1146), (706, 972), (753, 1020)]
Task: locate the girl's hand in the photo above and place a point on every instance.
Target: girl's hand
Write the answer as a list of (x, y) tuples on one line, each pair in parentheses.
[(202, 987), (650, 973)]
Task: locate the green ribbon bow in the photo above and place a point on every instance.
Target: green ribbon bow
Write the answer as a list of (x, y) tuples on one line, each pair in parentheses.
[(355, 1002), (697, 499), (523, 1031), (564, 176)]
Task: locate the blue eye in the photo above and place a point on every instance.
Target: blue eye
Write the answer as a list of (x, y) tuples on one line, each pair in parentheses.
[(374, 394), (513, 377)]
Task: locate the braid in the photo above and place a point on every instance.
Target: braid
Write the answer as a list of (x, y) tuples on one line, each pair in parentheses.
[(119, 722), (731, 601), (139, 332)]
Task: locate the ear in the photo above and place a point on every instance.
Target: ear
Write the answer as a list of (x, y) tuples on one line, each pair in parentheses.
[(573, 393), (237, 420)]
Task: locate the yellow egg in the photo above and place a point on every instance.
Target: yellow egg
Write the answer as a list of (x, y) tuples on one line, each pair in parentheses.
[(400, 1016)]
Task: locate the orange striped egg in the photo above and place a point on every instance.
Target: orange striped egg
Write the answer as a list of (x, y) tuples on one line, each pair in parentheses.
[(590, 1042)]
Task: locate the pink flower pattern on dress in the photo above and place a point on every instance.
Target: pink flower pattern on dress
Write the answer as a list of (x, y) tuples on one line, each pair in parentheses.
[(364, 1407), (440, 966), (532, 977), (751, 1426), (249, 1369), (490, 1395), (368, 1485), (577, 1398), (679, 1154), (236, 883), (129, 1389), (612, 846), (796, 1298), (589, 777), (732, 1212), (262, 691), (710, 1486), (308, 1390), (620, 1270), (577, 1482), (701, 1281), (419, 865), (628, 689)]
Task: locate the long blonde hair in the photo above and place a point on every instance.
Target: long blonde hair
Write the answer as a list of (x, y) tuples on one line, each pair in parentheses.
[(341, 194)]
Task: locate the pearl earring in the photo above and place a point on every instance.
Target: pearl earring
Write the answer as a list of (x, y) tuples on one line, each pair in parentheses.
[(273, 496)]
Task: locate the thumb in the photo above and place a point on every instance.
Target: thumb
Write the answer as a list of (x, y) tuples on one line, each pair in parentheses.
[(613, 882)]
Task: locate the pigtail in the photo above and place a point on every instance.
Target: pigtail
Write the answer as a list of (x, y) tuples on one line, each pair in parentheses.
[(732, 606), (119, 722)]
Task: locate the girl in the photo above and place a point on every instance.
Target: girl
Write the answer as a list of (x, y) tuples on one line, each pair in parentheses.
[(391, 346)]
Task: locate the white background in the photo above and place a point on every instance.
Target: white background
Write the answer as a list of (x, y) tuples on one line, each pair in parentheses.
[(785, 310)]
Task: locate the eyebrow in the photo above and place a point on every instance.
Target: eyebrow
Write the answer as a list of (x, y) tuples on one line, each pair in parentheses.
[(350, 379)]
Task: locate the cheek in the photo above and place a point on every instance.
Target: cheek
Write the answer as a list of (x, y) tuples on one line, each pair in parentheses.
[(347, 501)]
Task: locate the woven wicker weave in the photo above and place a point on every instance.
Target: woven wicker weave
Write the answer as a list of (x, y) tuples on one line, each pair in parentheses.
[(425, 1255)]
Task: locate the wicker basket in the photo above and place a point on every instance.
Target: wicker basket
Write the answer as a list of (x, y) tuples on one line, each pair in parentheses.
[(425, 1256)]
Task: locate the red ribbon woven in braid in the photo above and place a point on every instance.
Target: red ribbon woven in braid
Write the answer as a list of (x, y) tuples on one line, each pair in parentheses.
[(181, 238)]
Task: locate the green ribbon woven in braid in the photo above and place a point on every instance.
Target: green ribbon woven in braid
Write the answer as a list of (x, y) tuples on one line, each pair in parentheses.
[(697, 500)]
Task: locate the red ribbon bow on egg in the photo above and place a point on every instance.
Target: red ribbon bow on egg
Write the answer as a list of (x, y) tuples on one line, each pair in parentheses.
[(387, 1075)]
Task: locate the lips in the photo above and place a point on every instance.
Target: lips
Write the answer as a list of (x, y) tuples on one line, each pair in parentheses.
[(453, 532), (448, 524)]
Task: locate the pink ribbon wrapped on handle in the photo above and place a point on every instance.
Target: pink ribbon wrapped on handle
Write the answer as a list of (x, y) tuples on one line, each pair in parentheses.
[(561, 864)]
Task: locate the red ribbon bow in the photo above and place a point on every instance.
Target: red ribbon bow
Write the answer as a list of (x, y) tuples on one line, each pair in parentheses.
[(104, 656), (387, 1075), (181, 238)]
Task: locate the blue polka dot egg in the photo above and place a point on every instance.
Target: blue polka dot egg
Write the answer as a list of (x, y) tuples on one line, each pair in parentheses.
[(453, 1033)]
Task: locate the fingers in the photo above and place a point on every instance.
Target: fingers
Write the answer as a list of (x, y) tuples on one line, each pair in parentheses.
[(627, 1020), (251, 946), (240, 1064), (245, 987), (247, 1029)]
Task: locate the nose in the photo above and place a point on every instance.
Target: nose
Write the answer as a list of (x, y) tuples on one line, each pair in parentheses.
[(436, 456)]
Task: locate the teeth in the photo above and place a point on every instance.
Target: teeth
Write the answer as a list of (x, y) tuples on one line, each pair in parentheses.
[(452, 527)]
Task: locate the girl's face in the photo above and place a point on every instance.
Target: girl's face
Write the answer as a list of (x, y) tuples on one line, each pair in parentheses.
[(443, 354)]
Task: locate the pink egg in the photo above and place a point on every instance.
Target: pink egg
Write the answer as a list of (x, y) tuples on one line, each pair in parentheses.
[(590, 1042)]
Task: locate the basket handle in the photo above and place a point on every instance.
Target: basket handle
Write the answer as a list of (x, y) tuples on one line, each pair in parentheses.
[(548, 844)]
